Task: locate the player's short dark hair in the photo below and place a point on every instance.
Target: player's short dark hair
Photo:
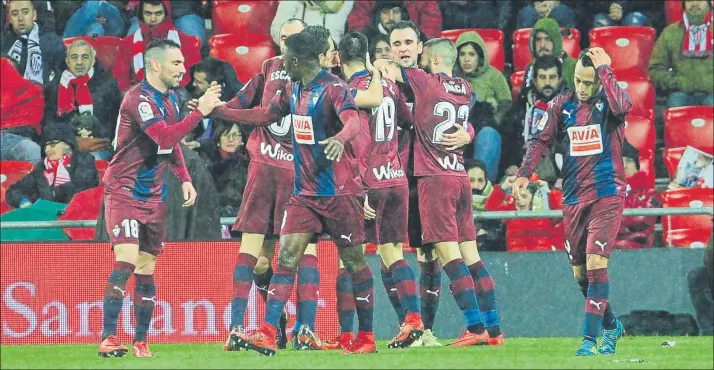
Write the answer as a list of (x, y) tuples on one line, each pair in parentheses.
[(402, 25), (305, 46), (546, 62), (212, 67), (321, 36), (584, 58), (353, 47), (158, 45), (470, 164), (294, 21)]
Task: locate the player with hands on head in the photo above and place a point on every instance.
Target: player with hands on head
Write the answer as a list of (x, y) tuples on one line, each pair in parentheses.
[(590, 123)]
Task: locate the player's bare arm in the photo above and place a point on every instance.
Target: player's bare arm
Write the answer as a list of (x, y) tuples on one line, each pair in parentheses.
[(617, 98), (373, 95), (258, 116)]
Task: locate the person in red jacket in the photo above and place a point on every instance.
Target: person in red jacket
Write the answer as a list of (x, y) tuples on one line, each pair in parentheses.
[(637, 231), (537, 234), (154, 23), (425, 14)]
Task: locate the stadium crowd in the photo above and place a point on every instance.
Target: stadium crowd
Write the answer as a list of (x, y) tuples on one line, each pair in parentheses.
[(67, 64)]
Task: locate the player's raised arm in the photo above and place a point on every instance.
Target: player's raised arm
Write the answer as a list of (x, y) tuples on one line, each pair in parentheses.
[(617, 98), (258, 116), (249, 94), (373, 95)]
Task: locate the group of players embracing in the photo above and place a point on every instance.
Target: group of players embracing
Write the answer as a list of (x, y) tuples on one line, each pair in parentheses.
[(373, 155)]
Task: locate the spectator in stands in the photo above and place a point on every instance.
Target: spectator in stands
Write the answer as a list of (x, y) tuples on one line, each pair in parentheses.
[(637, 231), (330, 14), (529, 15), (460, 14), (529, 234), (528, 109), (425, 14), (154, 22), (546, 39), (203, 74), (681, 62), (21, 107), (491, 234), (617, 13), (39, 52), (185, 16), (101, 18), (60, 175), (384, 16), (490, 87), (228, 164), (379, 47), (88, 98), (46, 14)]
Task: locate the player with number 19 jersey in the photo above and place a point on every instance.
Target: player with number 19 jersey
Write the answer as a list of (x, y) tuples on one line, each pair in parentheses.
[(383, 174), (440, 103), (270, 172)]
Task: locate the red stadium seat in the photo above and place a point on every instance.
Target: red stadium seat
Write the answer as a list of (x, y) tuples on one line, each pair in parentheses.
[(13, 171), (688, 238), (83, 206), (640, 89), (516, 83), (673, 11), (101, 168), (640, 132), (522, 50), (106, 47), (672, 157), (693, 126), (492, 38), (629, 47), (241, 17), (687, 197), (246, 52)]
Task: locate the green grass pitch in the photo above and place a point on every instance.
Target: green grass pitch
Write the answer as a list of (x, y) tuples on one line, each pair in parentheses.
[(633, 352)]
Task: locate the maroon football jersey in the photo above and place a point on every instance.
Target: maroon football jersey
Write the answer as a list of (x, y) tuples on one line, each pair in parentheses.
[(382, 166), (271, 145), (440, 103), (139, 163)]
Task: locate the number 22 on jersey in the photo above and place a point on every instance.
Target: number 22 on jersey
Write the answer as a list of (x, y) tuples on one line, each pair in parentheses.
[(450, 113)]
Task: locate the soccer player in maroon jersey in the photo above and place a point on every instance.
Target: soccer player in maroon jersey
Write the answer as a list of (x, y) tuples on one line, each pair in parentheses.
[(406, 46), (328, 194), (589, 122), (147, 140), (384, 178), (442, 106)]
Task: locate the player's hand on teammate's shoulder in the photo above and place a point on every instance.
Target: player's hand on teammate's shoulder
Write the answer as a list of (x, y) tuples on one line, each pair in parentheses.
[(189, 194), (599, 57), (210, 100), (333, 148), (456, 139)]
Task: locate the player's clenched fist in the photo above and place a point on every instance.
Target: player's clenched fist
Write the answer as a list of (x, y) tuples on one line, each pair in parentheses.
[(599, 57), (210, 99)]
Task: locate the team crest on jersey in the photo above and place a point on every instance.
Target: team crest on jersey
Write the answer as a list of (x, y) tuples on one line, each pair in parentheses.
[(599, 105), (315, 98), (304, 131), (145, 111), (539, 125), (116, 230)]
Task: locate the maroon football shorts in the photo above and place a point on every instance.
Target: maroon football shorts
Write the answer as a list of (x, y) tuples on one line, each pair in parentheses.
[(132, 221), (341, 217), (591, 227), (445, 209), (392, 208), (264, 199)]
